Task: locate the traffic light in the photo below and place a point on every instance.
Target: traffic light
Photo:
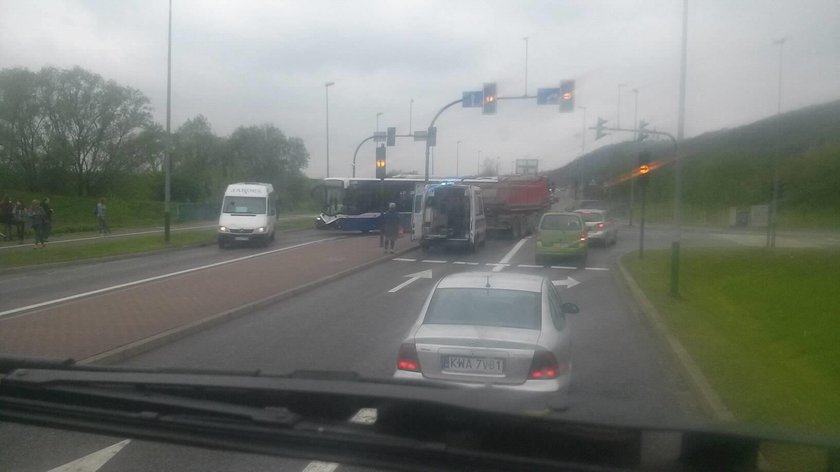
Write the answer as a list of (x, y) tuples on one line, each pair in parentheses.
[(567, 96), (641, 134), (391, 139), (380, 162), (599, 129), (490, 99), (644, 168), (431, 137)]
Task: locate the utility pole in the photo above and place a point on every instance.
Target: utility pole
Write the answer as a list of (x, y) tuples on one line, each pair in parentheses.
[(675, 244), (772, 214), (410, 113), (618, 115), (167, 161), (378, 114), (478, 164)]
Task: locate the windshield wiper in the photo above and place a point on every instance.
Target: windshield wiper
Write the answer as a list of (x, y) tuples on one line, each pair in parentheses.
[(304, 414)]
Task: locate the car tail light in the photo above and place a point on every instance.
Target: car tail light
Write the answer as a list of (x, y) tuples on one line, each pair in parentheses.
[(407, 359), (601, 225), (583, 236), (545, 366)]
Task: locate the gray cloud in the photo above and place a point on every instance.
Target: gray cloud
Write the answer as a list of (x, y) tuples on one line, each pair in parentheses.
[(252, 62)]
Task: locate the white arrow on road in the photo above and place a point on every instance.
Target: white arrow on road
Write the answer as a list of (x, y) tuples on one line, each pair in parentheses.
[(568, 283), (423, 274), (92, 462)]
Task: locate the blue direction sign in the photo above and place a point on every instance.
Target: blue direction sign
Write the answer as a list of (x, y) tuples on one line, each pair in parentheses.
[(548, 96), (472, 99)]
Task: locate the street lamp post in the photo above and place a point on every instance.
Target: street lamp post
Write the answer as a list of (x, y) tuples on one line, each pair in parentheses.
[(327, 86), (582, 153), (457, 157), (618, 115), (410, 113), (635, 138), (167, 161), (774, 201), (525, 38), (378, 114), (478, 164)]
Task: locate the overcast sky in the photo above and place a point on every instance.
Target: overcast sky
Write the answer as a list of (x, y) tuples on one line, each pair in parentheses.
[(243, 62)]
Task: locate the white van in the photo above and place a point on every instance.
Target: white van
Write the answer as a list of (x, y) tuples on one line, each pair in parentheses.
[(452, 215), (248, 214)]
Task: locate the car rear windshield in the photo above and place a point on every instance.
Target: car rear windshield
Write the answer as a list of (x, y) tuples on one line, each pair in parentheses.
[(592, 217), (485, 307), (560, 222)]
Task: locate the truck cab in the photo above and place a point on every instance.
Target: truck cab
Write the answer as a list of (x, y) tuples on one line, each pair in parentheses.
[(452, 215), (248, 214)]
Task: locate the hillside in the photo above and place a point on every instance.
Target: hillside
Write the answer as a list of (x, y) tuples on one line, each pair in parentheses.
[(732, 167)]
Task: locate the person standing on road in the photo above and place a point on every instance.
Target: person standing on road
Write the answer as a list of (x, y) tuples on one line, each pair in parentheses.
[(7, 217), (45, 204), (390, 227), (19, 220), (102, 217), (38, 220)]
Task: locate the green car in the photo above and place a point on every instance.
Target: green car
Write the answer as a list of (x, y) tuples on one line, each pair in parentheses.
[(561, 234)]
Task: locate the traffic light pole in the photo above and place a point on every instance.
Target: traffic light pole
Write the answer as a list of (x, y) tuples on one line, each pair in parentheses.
[(446, 107), (356, 152), (675, 244), (642, 218)]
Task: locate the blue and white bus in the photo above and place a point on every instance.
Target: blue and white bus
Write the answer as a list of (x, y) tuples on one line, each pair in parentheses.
[(355, 204)]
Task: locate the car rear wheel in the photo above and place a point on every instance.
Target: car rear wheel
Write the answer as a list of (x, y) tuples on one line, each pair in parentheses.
[(221, 243)]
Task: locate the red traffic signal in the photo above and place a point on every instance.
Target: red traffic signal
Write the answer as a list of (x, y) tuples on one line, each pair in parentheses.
[(490, 99)]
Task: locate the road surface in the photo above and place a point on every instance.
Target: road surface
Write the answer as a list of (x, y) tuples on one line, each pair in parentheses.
[(357, 323)]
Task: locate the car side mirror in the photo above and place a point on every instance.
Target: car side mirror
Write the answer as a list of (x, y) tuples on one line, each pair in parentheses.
[(570, 308)]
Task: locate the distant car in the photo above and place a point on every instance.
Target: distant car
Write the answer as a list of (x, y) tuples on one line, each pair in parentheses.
[(601, 227), (561, 234), (507, 330)]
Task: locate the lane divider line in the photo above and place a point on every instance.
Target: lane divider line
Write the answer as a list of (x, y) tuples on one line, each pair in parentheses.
[(531, 266), (564, 267), (403, 259), (434, 261), (8, 313), (506, 260)]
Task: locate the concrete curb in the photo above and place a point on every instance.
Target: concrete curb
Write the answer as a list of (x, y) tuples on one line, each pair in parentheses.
[(135, 348), (709, 399)]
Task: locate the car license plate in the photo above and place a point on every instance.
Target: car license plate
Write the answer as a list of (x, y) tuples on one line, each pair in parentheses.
[(241, 238), (478, 365)]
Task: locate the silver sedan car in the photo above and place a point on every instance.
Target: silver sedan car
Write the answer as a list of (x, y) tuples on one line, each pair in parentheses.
[(504, 330), (600, 226)]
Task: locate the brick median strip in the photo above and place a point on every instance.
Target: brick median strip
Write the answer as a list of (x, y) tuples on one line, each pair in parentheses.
[(92, 326)]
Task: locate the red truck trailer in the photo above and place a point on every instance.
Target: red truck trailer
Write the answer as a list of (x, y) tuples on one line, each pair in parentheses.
[(513, 204)]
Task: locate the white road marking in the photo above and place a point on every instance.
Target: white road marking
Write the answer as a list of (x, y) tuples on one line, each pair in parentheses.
[(423, 274), (94, 461), (531, 266), (465, 263), (316, 466), (402, 259), (564, 267), (568, 283), (136, 233), (365, 416), (505, 260), (596, 268), (4, 314), (497, 264), (433, 261)]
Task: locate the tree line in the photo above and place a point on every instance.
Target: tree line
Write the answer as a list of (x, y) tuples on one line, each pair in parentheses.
[(70, 131)]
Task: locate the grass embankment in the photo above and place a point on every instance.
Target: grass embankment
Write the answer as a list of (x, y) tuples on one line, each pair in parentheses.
[(120, 245), (763, 328), (102, 247)]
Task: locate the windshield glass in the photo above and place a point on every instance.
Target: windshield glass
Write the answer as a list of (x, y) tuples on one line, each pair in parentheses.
[(485, 307), (669, 169), (592, 217), (252, 205), (560, 222)]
